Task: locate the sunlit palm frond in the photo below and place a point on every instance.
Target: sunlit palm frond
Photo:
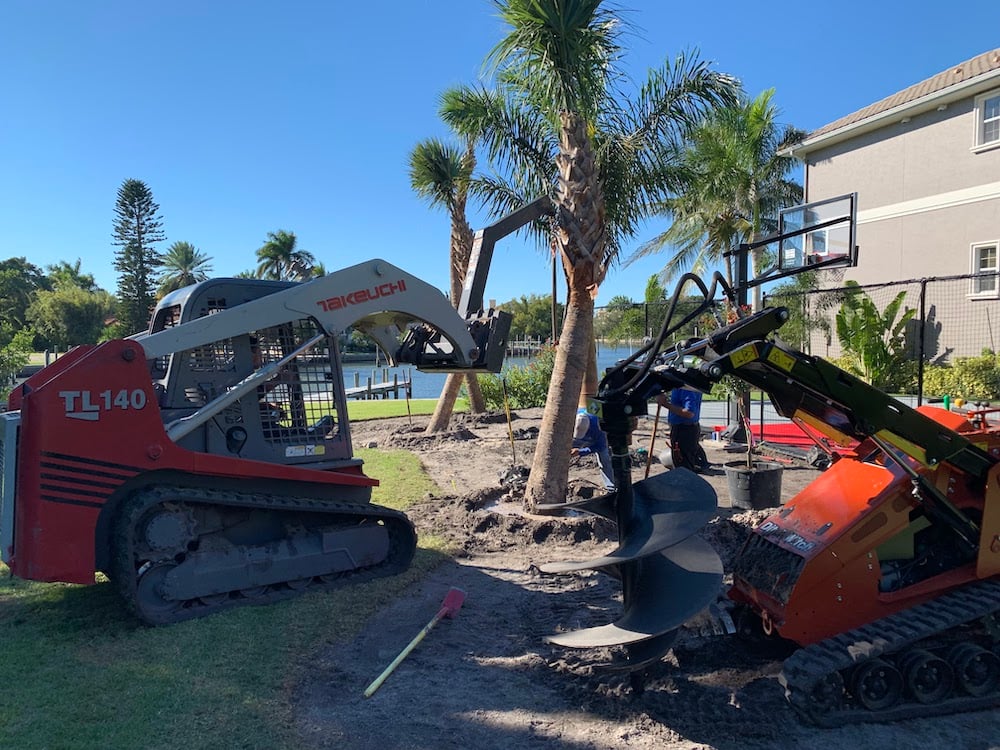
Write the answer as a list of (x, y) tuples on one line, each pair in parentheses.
[(182, 265), (439, 172), (518, 140), (280, 259), (564, 51)]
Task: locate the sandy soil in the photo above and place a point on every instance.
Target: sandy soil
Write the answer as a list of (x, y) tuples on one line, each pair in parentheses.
[(487, 679)]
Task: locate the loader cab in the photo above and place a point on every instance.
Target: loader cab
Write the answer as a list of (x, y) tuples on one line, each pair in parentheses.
[(295, 417)]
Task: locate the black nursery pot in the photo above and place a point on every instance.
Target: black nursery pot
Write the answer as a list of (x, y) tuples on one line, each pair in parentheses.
[(755, 487)]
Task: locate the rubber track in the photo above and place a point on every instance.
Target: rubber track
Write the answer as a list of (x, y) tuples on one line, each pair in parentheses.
[(402, 543), (804, 669)]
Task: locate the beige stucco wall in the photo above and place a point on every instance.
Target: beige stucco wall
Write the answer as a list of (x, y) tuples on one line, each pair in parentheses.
[(928, 155), (906, 166), (924, 197)]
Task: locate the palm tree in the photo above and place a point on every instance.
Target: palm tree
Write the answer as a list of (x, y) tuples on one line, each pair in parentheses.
[(557, 121), (440, 174), (281, 260), (732, 185), (183, 265), (65, 274)]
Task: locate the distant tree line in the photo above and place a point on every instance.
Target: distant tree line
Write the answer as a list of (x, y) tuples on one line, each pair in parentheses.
[(61, 306)]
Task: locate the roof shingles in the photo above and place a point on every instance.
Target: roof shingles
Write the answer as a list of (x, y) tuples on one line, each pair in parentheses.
[(977, 66)]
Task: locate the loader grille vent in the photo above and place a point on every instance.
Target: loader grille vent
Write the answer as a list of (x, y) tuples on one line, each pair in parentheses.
[(219, 356), (768, 568), (214, 305), (215, 357)]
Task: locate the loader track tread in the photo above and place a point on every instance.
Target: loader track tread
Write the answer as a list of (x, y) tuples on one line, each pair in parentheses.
[(125, 575), (804, 670)]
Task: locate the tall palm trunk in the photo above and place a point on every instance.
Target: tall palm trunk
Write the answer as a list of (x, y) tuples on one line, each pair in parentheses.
[(582, 240), (477, 404), (590, 376), (550, 467), (461, 249)]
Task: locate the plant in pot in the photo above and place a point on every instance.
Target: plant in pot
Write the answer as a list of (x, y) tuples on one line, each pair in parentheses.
[(753, 484)]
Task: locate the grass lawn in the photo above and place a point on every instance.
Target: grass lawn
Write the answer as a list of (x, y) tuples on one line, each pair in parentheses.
[(382, 408), (78, 672)]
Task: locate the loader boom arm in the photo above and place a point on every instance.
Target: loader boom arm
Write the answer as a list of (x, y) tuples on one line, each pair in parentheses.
[(376, 296), (826, 397), (412, 321)]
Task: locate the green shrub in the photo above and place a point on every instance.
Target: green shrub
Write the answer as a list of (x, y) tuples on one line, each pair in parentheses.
[(939, 380), (971, 378), (527, 386), (13, 356)]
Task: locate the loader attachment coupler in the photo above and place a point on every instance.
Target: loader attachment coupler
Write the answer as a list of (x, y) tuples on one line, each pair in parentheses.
[(424, 347)]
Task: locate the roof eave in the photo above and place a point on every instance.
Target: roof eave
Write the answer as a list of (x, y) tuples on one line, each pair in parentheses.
[(944, 96)]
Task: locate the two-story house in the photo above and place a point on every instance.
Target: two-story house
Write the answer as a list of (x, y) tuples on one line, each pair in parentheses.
[(925, 164)]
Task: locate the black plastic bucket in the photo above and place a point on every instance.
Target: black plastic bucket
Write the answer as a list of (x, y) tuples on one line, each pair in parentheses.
[(754, 488)]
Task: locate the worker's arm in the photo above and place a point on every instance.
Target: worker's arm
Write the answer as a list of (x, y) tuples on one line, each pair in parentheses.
[(664, 401)]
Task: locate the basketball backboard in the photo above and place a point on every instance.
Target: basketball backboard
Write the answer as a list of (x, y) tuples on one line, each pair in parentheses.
[(818, 234)]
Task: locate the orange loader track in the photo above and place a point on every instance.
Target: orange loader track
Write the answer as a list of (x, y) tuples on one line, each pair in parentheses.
[(902, 666)]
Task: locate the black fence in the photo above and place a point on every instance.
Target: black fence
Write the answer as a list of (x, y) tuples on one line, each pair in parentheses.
[(939, 320)]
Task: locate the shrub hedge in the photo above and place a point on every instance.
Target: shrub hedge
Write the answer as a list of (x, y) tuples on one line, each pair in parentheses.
[(527, 386)]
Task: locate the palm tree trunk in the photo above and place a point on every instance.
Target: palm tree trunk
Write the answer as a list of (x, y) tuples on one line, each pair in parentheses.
[(590, 377), (446, 403), (477, 404), (582, 240), (549, 475), (756, 259), (461, 249)]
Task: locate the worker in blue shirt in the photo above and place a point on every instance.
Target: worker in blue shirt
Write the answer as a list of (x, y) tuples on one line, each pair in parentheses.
[(683, 415), (588, 437)]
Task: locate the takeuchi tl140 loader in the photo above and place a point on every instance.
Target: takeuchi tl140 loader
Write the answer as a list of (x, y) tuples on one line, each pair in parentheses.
[(207, 463), (884, 570)]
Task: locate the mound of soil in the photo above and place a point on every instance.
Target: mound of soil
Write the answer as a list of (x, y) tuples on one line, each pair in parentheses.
[(488, 679)]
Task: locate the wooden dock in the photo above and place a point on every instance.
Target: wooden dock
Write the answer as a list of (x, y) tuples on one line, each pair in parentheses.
[(526, 347), (380, 387)]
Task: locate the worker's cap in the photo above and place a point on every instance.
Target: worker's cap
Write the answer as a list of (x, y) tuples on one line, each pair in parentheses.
[(582, 425)]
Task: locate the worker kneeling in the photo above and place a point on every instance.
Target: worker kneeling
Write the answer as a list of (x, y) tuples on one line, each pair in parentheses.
[(589, 438)]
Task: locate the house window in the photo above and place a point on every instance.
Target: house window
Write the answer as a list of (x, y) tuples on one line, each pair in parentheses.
[(988, 120), (985, 266)]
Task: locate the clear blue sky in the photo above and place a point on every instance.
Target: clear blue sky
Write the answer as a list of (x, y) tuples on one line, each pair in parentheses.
[(248, 117)]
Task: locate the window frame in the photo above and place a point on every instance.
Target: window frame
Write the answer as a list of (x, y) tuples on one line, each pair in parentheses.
[(974, 262), (978, 144)]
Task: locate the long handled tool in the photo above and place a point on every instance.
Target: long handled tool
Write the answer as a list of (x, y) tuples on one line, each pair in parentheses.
[(451, 604), (510, 427), (652, 439), (409, 387)]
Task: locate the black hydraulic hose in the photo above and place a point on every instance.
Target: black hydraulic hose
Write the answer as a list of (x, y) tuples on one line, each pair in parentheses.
[(665, 329), (708, 295)]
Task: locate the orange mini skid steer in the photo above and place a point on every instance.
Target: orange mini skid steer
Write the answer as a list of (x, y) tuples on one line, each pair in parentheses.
[(884, 569)]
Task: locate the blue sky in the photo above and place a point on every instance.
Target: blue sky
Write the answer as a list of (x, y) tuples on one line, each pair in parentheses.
[(248, 117)]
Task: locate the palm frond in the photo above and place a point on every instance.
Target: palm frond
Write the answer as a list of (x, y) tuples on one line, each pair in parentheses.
[(439, 172), (564, 52), (517, 139)]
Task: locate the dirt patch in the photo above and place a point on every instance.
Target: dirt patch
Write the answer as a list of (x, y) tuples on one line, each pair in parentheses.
[(487, 679)]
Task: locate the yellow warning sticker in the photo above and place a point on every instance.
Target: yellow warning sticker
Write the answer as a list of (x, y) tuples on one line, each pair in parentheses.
[(781, 359), (743, 356)]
